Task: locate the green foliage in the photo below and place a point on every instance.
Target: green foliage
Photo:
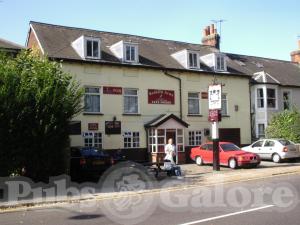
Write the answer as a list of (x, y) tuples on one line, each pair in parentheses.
[(37, 102), (285, 125)]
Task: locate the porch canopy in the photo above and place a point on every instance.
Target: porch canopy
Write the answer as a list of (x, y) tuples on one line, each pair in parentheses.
[(162, 128)]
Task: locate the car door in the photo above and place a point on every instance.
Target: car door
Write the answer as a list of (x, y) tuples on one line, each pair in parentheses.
[(256, 147), (268, 149), (207, 153)]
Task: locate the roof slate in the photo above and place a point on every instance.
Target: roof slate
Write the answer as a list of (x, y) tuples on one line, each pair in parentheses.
[(5, 44), (56, 42)]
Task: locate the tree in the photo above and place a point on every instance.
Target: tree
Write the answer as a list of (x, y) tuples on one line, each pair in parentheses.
[(37, 102), (285, 125)]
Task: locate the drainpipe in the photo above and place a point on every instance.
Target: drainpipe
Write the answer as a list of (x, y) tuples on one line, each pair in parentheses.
[(180, 89)]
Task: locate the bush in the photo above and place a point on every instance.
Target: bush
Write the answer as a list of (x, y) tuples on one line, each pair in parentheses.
[(37, 102), (285, 125)]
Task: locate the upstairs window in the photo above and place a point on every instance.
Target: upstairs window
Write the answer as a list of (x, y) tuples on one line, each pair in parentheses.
[(92, 100), (130, 53), (286, 100), (260, 98), (131, 101), (220, 63), (193, 103), (92, 48), (224, 110), (271, 98), (193, 60)]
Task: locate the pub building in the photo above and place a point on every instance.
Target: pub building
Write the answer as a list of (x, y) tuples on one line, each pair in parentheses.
[(140, 91)]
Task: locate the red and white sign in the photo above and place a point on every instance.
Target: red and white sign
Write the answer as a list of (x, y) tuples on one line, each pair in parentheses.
[(93, 126), (214, 115), (215, 96), (161, 97), (112, 90)]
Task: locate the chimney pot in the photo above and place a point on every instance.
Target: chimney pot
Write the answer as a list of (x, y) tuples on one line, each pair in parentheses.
[(211, 36), (208, 31)]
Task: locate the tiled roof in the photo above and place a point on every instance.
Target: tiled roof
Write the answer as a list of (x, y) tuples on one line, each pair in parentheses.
[(5, 44)]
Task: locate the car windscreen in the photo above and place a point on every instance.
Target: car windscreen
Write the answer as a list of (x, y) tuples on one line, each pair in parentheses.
[(285, 142), (229, 147)]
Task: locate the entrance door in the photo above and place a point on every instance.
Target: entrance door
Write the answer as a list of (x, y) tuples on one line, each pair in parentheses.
[(171, 134)]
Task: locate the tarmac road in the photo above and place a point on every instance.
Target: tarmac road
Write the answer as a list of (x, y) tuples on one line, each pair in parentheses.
[(269, 201)]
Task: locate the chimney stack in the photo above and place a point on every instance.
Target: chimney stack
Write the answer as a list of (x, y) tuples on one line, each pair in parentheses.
[(211, 36), (295, 55)]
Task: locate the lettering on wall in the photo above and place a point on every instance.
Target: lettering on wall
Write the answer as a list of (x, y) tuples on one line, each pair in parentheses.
[(161, 97)]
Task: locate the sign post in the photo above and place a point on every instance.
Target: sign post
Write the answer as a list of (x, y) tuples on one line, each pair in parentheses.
[(215, 105)]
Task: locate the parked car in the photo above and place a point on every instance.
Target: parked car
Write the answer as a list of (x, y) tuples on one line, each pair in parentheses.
[(88, 162), (230, 155), (274, 149)]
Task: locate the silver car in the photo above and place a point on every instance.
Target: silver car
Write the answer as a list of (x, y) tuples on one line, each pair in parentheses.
[(274, 149)]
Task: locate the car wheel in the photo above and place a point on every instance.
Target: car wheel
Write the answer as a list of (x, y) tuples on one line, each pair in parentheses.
[(276, 158), (232, 164), (199, 161)]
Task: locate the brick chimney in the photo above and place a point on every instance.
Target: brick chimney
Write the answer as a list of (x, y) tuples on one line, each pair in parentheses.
[(295, 55), (211, 36)]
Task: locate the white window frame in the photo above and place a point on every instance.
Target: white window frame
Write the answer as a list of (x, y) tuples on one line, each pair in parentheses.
[(195, 135), (136, 55), (130, 134), (276, 98), (259, 98), (197, 61), (290, 100), (86, 39), (221, 57), (93, 138), (260, 135), (226, 99), (193, 98), (98, 94), (138, 100)]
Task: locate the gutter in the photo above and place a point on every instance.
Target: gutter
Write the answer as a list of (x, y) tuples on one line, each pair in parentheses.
[(180, 89)]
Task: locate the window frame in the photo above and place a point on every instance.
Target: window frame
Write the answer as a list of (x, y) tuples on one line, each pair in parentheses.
[(275, 98), (91, 135), (284, 100), (195, 135), (189, 61), (260, 98), (136, 55), (226, 99), (221, 59), (138, 100), (97, 94), (261, 135), (194, 98), (130, 134), (86, 39)]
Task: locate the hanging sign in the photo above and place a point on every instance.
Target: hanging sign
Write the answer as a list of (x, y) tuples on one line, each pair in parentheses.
[(215, 96)]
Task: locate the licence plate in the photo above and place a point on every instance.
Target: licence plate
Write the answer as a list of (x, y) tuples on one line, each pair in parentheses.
[(98, 162)]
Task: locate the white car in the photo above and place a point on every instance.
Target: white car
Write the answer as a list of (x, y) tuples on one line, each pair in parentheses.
[(274, 149)]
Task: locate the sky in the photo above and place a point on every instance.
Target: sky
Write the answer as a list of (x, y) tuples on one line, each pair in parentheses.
[(266, 28)]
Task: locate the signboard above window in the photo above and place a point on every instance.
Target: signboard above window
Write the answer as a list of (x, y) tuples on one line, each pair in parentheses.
[(161, 97), (112, 90), (112, 127)]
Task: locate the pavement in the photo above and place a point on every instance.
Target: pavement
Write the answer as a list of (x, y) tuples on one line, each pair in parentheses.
[(193, 176), (273, 200)]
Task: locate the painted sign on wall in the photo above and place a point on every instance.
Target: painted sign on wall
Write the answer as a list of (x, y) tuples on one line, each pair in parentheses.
[(112, 90), (112, 127), (161, 96), (93, 126)]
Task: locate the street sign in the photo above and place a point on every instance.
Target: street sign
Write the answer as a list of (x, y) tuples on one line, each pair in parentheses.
[(214, 115), (215, 96)]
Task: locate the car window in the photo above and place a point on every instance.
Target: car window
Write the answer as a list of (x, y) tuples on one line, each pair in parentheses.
[(210, 147), (285, 142), (229, 147), (207, 147), (269, 144), (257, 144)]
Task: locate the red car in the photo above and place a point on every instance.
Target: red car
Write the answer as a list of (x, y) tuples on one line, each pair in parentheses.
[(230, 155)]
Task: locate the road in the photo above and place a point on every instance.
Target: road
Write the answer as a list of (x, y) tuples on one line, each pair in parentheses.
[(270, 201)]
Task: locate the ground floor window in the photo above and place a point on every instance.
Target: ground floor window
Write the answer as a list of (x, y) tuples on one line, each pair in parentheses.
[(195, 138), (92, 139), (131, 139), (261, 130)]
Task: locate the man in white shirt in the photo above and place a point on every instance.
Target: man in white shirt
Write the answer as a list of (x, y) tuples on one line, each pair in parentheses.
[(170, 151)]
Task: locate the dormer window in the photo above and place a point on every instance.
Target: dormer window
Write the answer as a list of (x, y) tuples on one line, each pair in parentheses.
[(220, 62), (193, 60), (188, 59), (130, 53), (92, 48), (126, 51), (216, 61)]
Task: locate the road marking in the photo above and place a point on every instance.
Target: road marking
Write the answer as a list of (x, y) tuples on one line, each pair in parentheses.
[(227, 215)]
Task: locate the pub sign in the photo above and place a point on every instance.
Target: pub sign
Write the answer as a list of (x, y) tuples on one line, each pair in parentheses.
[(161, 97)]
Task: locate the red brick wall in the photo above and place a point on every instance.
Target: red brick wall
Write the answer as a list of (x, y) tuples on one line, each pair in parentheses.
[(32, 41)]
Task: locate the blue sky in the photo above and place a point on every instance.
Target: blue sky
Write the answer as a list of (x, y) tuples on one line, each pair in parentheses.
[(267, 28)]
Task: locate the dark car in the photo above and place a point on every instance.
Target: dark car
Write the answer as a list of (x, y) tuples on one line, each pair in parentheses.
[(88, 162)]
